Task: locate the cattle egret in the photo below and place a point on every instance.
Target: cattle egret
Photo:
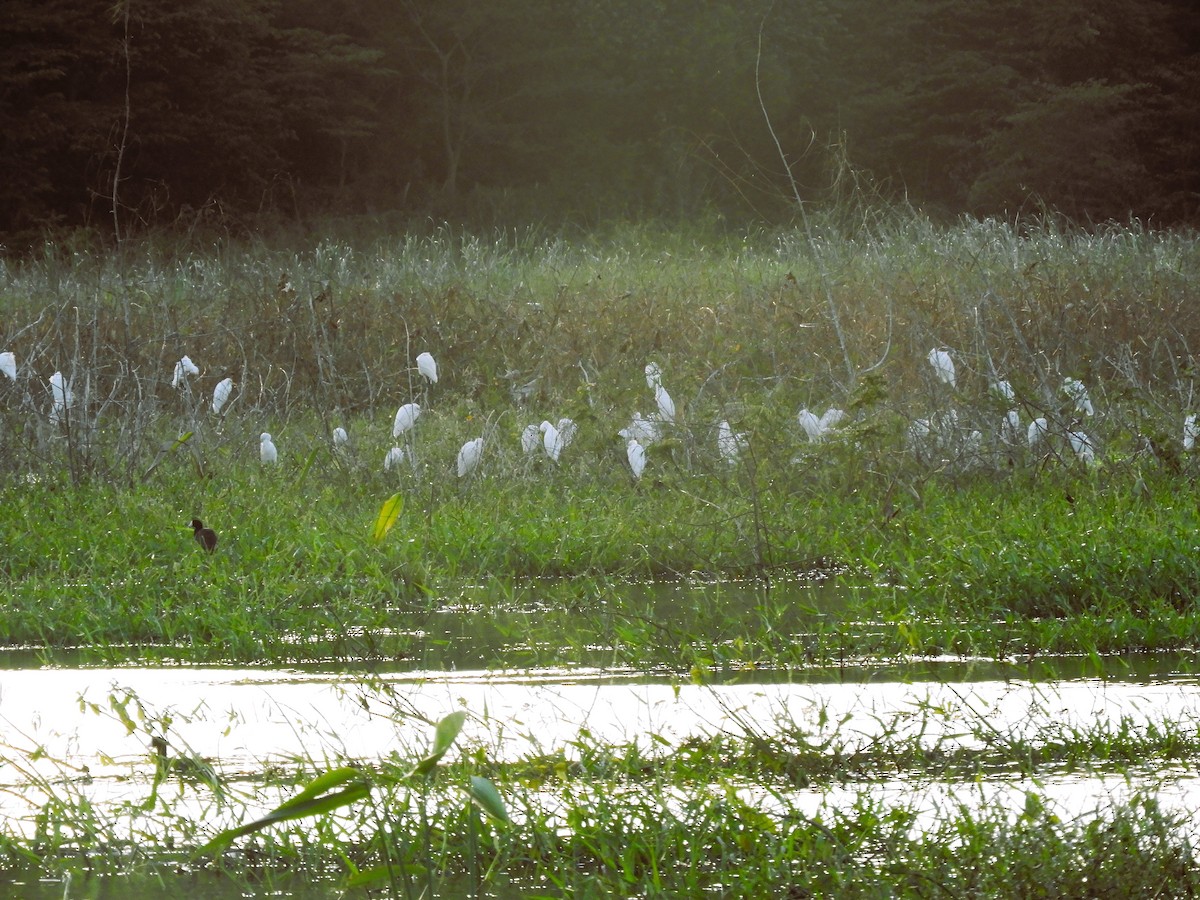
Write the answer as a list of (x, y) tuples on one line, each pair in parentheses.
[(406, 417), (1082, 445), (427, 366), (205, 537), (636, 454), (60, 396), (183, 369), (340, 438), (729, 443), (551, 440), (1010, 428), (8, 364), (817, 428), (644, 431), (1191, 431), (468, 456), (1004, 391), (1078, 393), (666, 406), (653, 376), (1037, 431), (567, 430), (394, 458), (942, 364), (266, 449), (531, 439), (221, 394)]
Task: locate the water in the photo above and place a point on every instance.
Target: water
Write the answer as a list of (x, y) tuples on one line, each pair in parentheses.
[(75, 733)]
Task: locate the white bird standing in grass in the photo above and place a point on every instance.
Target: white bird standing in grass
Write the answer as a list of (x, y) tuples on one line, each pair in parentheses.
[(340, 438), (8, 364), (406, 417), (1085, 452), (221, 394), (729, 443), (1010, 428), (817, 428), (1078, 393), (394, 458), (61, 397), (666, 406), (636, 454), (531, 439), (1037, 431), (183, 369), (266, 449), (1191, 431), (942, 364), (644, 431), (567, 429), (551, 440), (468, 457), (653, 375), (1004, 391), (427, 366)]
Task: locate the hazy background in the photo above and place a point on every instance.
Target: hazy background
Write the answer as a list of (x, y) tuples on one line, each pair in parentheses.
[(244, 113)]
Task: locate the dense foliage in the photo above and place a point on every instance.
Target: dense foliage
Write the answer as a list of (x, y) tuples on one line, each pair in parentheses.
[(148, 111)]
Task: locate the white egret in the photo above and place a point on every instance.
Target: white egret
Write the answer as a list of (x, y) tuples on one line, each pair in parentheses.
[(60, 396), (395, 457), (531, 439), (340, 438), (1010, 428), (666, 406), (551, 440), (1037, 431), (427, 366), (1191, 431), (816, 428), (645, 431), (567, 429), (468, 456), (183, 369), (729, 443), (653, 375), (406, 417), (1078, 393), (942, 364), (1004, 391), (266, 449), (636, 454), (8, 364), (1085, 452), (221, 394)]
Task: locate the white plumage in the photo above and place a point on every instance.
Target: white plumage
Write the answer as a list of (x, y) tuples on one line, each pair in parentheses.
[(636, 455), (469, 456), (427, 366), (267, 451), (221, 394), (942, 364), (406, 417)]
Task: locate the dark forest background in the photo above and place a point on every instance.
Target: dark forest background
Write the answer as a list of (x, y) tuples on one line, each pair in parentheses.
[(158, 112)]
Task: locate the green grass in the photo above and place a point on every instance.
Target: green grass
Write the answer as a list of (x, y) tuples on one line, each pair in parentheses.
[(949, 544)]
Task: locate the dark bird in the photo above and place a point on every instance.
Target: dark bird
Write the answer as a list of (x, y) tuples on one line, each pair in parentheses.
[(205, 537)]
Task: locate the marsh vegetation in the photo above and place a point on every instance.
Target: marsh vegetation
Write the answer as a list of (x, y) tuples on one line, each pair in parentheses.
[(924, 525)]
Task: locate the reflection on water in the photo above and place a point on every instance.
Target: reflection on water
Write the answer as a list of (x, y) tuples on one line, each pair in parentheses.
[(73, 731)]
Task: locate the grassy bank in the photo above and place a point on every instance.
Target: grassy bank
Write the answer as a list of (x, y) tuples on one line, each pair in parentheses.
[(951, 531)]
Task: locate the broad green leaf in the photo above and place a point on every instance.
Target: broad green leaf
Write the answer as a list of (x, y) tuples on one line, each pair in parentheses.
[(388, 513), (312, 801), (487, 798), (443, 739)]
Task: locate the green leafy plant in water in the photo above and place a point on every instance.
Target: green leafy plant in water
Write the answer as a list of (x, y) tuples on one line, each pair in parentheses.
[(346, 785)]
